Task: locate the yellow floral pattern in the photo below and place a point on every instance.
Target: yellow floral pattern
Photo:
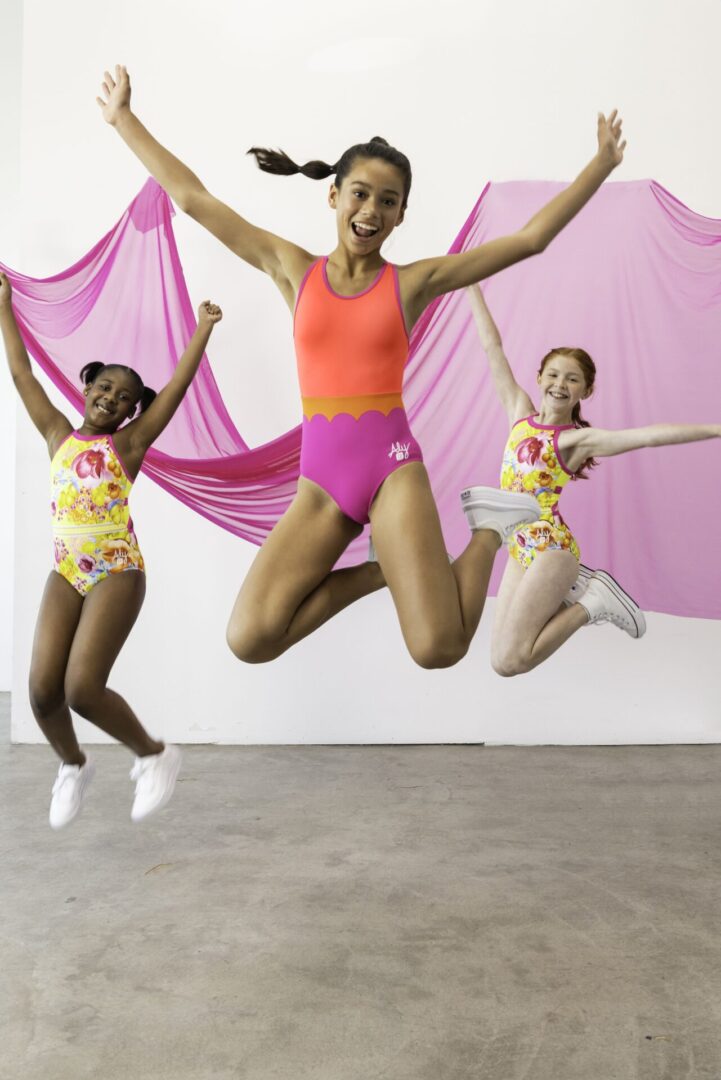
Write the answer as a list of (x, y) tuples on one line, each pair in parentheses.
[(92, 528), (531, 463)]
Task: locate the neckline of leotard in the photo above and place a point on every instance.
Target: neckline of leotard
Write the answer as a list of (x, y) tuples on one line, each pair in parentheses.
[(354, 296), (545, 427)]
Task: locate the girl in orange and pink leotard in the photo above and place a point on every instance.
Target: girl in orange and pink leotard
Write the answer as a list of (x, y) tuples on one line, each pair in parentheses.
[(355, 429), (360, 461)]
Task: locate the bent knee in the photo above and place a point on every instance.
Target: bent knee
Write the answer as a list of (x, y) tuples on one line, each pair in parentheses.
[(250, 644), (509, 664), (82, 695), (45, 696), (432, 652)]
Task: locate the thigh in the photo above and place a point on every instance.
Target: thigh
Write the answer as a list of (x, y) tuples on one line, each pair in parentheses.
[(411, 551), (298, 555), (531, 601), (513, 575), (58, 618), (110, 610)]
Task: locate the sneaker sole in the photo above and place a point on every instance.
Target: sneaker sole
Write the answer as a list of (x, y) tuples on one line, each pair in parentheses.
[(166, 797), (491, 500), (628, 602)]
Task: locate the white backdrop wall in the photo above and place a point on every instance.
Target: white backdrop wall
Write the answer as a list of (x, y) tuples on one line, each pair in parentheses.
[(11, 67), (471, 91)]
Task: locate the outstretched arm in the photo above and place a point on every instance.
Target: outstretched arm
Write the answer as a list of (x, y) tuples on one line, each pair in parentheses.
[(423, 281), (49, 421), (582, 443), (134, 439), (513, 397), (285, 262)]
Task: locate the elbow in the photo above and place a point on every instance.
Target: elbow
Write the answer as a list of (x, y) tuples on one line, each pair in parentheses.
[(534, 241), (189, 199)]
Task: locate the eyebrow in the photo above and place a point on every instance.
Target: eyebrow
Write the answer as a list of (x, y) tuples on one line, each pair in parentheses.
[(385, 191)]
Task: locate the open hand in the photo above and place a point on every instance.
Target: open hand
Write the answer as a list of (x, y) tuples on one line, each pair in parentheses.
[(6, 290), (610, 143), (115, 94), (209, 314)]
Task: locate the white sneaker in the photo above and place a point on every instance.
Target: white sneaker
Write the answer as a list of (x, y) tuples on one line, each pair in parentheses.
[(68, 793), (502, 511), (579, 586), (155, 777), (605, 601)]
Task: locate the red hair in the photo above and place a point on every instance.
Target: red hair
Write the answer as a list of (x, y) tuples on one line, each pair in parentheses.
[(588, 370)]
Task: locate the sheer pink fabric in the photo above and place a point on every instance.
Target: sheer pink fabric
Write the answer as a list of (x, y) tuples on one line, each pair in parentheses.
[(635, 279)]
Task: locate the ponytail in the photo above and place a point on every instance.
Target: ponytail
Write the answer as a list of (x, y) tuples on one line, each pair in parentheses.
[(278, 162)]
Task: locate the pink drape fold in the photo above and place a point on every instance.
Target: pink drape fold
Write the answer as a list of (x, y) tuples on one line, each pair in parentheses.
[(635, 279)]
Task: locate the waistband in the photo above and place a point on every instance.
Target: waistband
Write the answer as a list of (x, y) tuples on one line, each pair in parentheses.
[(353, 406), (90, 529)]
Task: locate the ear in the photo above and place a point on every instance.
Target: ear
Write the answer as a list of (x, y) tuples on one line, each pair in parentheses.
[(333, 197), (401, 216), (86, 391), (131, 414)]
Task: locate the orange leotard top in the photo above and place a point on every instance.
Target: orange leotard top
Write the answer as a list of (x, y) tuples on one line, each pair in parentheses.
[(349, 346)]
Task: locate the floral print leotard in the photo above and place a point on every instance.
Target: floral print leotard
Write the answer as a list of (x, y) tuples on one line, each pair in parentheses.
[(532, 463), (92, 528)]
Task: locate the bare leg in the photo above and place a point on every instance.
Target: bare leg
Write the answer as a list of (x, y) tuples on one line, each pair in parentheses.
[(58, 618), (108, 614), (291, 589), (439, 606), (531, 623)]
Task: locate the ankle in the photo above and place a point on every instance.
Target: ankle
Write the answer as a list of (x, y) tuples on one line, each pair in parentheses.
[(150, 748), (77, 757)]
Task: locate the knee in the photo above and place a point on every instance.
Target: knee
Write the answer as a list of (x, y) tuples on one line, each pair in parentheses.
[(82, 694), (249, 644), (508, 664), (45, 696), (434, 651)]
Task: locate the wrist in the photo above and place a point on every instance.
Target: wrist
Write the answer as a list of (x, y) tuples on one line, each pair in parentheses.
[(122, 117)]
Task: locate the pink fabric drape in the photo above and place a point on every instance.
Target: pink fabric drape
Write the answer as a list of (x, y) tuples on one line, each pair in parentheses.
[(635, 279)]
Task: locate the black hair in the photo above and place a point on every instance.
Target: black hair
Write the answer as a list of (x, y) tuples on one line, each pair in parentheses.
[(278, 162), (90, 372)]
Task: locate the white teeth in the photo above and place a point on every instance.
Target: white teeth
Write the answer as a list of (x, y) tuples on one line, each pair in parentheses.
[(364, 230)]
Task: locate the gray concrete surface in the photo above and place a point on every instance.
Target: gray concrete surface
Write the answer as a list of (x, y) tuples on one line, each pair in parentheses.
[(418, 913)]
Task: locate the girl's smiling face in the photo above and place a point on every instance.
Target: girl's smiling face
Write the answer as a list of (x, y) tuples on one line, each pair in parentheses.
[(111, 399), (563, 385), (368, 204)]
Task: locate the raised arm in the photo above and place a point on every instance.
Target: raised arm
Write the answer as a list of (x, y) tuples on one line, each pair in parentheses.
[(426, 279), (134, 439), (49, 421), (285, 262), (513, 397), (579, 445)]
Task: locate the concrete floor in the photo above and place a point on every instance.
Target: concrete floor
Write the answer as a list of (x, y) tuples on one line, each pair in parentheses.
[(420, 913)]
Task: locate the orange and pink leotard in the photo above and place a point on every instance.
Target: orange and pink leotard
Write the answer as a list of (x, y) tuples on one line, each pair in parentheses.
[(352, 352)]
